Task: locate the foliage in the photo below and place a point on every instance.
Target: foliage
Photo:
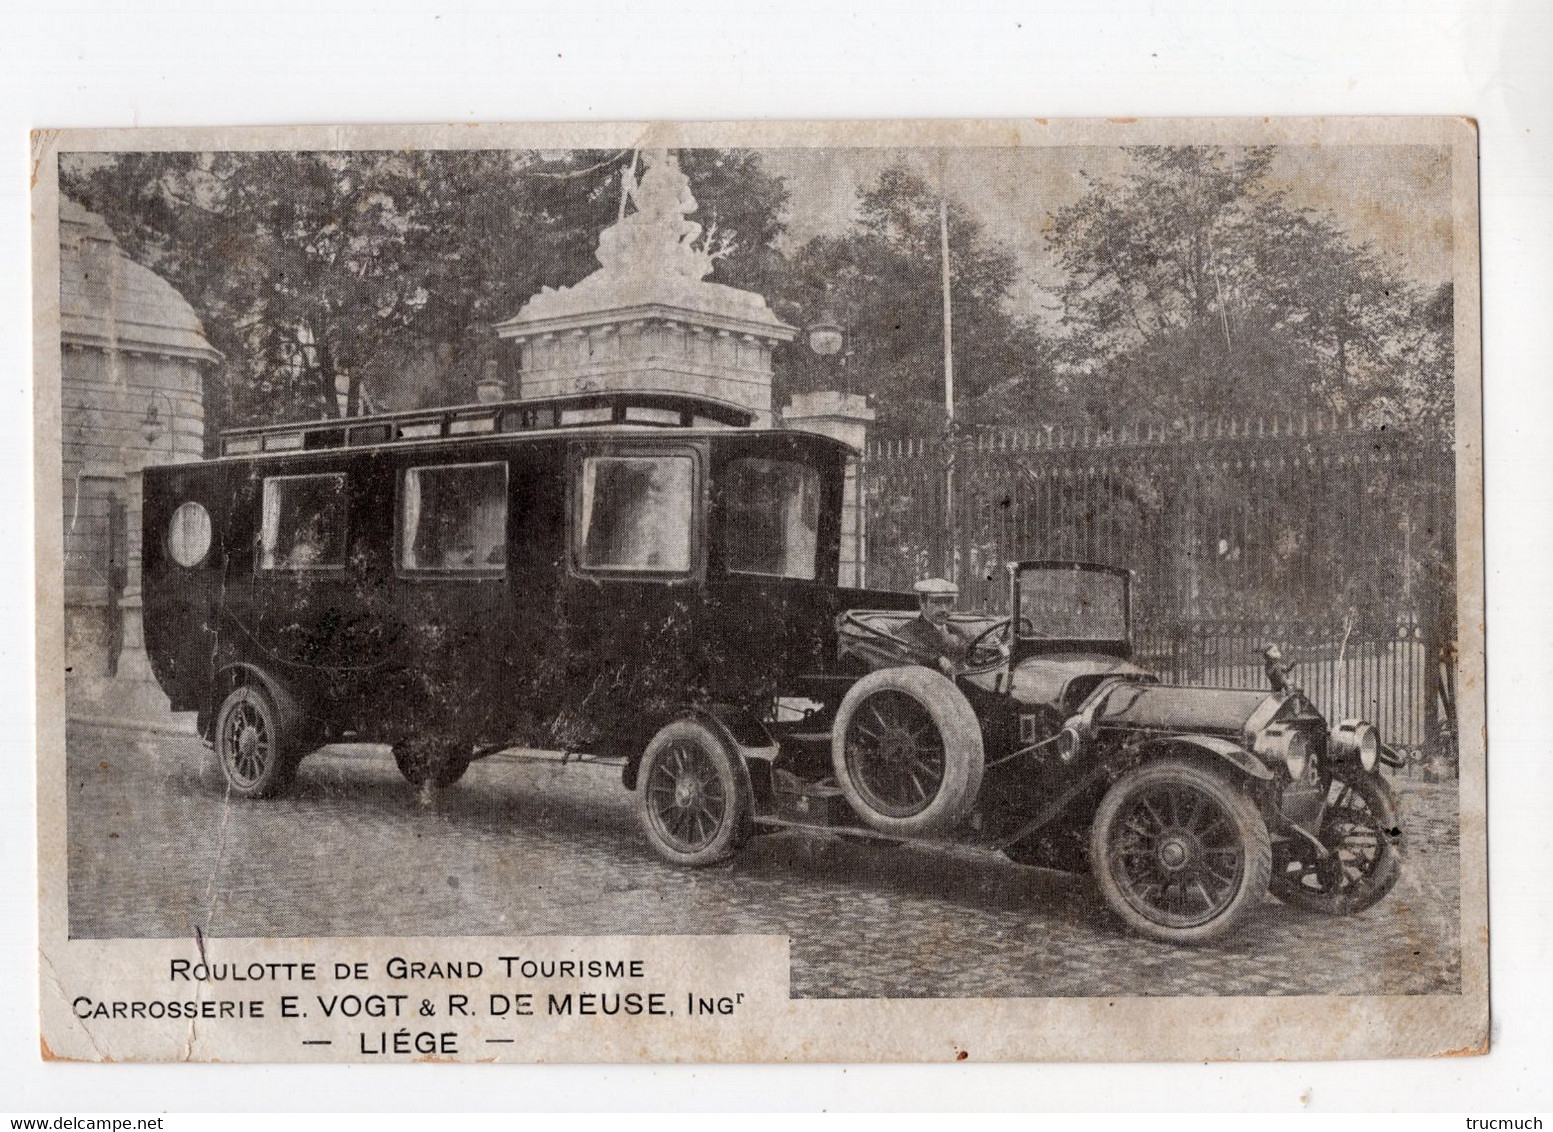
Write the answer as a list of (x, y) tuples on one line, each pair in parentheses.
[(883, 282), (1192, 286), (1189, 286), (319, 273)]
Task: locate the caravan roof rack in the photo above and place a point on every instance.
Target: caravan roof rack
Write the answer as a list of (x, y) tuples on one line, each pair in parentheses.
[(660, 410)]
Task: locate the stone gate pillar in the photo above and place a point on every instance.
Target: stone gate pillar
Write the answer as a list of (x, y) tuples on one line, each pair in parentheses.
[(133, 359), (649, 320), (844, 417)]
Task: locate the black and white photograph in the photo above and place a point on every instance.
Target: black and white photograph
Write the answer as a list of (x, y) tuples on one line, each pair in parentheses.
[(1004, 571)]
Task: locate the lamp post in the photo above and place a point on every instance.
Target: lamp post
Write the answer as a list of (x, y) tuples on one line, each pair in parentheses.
[(951, 566)]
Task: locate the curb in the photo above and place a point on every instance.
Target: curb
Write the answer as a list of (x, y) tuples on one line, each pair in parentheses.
[(120, 723)]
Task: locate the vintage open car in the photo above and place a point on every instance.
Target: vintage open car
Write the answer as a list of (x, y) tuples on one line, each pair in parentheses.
[(1188, 804), (649, 580)]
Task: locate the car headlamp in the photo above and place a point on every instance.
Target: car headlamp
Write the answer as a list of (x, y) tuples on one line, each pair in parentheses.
[(1069, 741), (1285, 743), (1357, 739)]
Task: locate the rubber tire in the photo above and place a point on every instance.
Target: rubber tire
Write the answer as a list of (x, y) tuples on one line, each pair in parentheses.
[(958, 730), (430, 765), (735, 825), (1381, 801), (1256, 848), (279, 772)]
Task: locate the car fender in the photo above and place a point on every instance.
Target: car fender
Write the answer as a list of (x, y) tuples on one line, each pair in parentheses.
[(1232, 753), (744, 735), (287, 705)]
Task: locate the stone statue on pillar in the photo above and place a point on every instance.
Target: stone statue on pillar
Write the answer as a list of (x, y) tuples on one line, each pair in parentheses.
[(649, 320), (659, 238)]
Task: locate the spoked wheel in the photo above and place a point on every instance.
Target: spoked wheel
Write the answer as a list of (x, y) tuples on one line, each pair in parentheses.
[(1180, 854), (693, 799), (437, 765), (255, 754), (1362, 833), (895, 755), (907, 751)]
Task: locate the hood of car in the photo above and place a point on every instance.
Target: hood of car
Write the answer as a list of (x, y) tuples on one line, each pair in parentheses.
[(1166, 707), (1045, 679)]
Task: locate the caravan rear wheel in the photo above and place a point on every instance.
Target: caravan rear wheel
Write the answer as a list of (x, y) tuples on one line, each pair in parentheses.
[(693, 798), (431, 764), (257, 756)]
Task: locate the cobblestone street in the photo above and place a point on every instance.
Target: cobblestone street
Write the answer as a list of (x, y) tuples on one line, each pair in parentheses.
[(536, 849)]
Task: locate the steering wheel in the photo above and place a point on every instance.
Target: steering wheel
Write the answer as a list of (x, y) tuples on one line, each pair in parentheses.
[(999, 625), (981, 655)]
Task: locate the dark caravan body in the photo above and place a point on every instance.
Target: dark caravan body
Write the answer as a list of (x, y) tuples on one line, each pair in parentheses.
[(646, 579), (569, 586)]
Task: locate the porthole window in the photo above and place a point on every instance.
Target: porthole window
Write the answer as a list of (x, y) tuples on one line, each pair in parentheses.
[(188, 535)]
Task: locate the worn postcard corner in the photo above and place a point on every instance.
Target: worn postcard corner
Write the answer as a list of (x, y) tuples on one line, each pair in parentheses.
[(911, 591)]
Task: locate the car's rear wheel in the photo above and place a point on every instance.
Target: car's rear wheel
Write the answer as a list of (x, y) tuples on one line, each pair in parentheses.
[(258, 757), (907, 751), (1180, 854), (1362, 833), (693, 798), (431, 764)]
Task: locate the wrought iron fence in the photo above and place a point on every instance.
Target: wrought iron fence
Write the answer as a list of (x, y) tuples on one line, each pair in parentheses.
[(1333, 540)]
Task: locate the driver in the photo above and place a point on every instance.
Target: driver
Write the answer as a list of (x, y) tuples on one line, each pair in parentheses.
[(931, 630)]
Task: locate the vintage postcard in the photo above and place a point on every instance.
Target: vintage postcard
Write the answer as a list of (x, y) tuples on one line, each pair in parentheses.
[(761, 592)]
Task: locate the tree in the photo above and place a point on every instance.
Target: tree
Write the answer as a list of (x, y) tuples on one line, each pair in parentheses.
[(318, 274), (304, 266), (883, 282), (1193, 287)]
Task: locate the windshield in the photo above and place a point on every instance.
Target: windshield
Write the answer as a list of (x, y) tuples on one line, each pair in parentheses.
[(773, 518), (1064, 603)]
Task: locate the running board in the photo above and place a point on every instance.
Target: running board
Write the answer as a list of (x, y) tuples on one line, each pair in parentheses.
[(787, 824)]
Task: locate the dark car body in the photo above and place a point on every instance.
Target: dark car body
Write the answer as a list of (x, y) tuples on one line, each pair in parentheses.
[(1187, 802), (1052, 682)]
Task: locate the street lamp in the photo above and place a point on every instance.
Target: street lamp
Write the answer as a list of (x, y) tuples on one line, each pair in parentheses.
[(827, 339), (826, 336), (151, 423)]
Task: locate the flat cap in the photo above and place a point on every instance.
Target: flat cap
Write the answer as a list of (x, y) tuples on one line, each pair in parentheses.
[(936, 587)]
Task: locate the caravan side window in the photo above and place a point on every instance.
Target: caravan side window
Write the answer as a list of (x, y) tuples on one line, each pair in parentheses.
[(453, 518), (773, 518), (304, 523), (634, 514)]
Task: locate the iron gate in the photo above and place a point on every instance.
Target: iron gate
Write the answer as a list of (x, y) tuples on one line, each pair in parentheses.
[(1333, 540)]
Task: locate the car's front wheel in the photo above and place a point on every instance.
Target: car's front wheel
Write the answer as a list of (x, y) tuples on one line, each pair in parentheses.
[(1362, 833), (1180, 854), (692, 795)]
